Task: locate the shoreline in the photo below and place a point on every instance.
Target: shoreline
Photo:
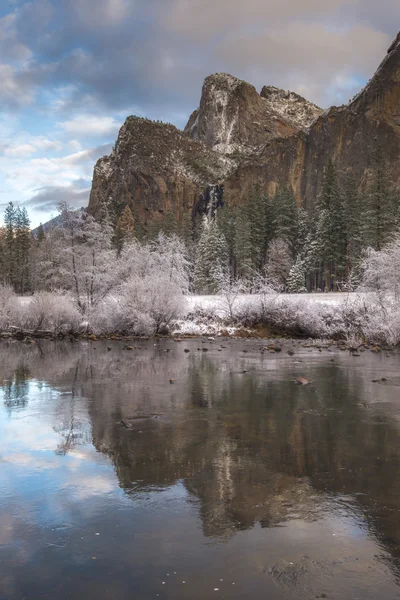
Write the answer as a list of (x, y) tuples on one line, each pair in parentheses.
[(274, 343)]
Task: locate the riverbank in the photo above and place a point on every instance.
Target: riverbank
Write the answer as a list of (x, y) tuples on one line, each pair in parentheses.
[(354, 319)]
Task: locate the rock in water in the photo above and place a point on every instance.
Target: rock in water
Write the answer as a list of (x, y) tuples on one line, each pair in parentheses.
[(303, 381)]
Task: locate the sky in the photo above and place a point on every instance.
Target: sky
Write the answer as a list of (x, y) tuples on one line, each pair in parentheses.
[(71, 71)]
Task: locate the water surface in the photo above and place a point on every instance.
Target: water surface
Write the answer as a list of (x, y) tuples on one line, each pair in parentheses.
[(228, 482)]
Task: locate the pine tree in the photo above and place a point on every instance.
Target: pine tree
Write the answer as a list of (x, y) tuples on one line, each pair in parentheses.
[(227, 222), (243, 247), (279, 262), (154, 227), (3, 273), (125, 229), (303, 230), (331, 228), (9, 246), (211, 258), (380, 214), (186, 228), (40, 234), (261, 223), (22, 244), (286, 216), (170, 223), (353, 230), (296, 281)]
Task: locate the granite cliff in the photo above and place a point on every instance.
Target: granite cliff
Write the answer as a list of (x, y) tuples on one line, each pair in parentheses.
[(237, 138)]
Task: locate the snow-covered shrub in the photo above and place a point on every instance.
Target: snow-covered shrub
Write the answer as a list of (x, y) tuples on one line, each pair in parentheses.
[(382, 323), (141, 307), (381, 281), (301, 317), (152, 302), (229, 293), (8, 303), (150, 294), (381, 271), (48, 311), (108, 317)]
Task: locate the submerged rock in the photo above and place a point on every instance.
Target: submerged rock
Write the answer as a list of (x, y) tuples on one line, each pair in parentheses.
[(303, 381)]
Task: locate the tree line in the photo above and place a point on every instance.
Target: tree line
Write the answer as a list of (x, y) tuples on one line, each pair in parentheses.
[(296, 250)]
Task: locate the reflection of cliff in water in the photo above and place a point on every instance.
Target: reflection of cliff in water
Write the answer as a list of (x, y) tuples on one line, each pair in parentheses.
[(249, 447)]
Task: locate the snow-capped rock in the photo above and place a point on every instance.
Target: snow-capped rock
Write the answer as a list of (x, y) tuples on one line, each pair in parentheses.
[(233, 118)]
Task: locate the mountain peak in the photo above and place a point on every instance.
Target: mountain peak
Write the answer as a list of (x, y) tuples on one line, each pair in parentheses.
[(291, 106), (395, 43), (233, 118)]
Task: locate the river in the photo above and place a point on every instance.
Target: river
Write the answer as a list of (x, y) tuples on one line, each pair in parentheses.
[(198, 470)]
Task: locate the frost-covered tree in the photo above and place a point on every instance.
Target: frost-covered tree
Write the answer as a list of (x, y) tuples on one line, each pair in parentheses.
[(96, 261), (46, 262), (170, 257), (381, 270), (149, 291), (81, 258), (211, 257), (125, 229), (40, 234), (243, 247), (279, 262), (296, 281), (229, 291), (229, 227)]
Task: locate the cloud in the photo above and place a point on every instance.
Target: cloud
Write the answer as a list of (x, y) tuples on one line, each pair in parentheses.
[(41, 182), (192, 18), (23, 150), (47, 199), (307, 58), (84, 156), (153, 54), (31, 146), (14, 90), (72, 70), (101, 14), (90, 125), (10, 48)]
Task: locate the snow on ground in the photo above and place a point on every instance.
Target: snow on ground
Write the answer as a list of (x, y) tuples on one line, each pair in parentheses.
[(216, 303)]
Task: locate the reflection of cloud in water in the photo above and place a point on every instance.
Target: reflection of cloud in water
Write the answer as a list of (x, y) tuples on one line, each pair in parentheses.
[(249, 456)]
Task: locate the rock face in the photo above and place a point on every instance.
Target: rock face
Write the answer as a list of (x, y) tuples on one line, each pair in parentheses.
[(154, 167), (295, 110), (348, 134), (238, 138), (234, 119)]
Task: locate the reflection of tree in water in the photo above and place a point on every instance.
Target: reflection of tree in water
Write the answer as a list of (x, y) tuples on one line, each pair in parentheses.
[(257, 448), (74, 432), (16, 388), (250, 448)]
